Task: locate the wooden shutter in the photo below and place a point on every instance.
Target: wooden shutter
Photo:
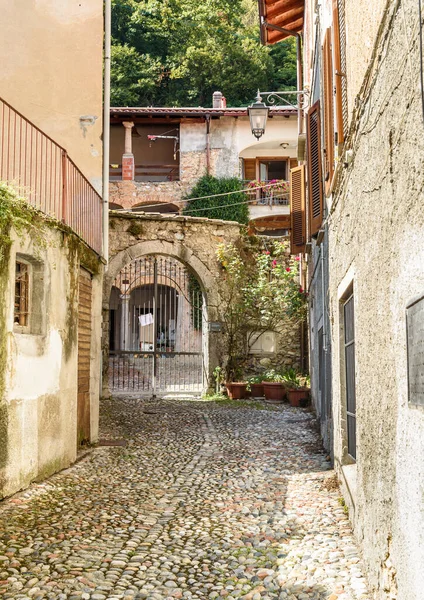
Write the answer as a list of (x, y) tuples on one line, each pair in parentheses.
[(328, 111), (293, 163), (249, 168), (316, 201), (84, 352), (297, 210), (339, 42)]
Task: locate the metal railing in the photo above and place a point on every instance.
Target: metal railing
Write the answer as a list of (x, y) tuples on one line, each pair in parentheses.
[(268, 195), (151, 173), (42, 172)]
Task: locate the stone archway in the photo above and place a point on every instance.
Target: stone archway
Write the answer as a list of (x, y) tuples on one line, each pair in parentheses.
[(191, 241)]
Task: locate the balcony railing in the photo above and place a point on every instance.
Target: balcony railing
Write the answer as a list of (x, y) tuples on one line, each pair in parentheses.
[(148, 173), (42, 172), (268, 192)]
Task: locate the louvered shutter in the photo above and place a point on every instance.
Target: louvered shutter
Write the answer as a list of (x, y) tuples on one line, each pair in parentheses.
[(297, 210), (328, 111), (249, 169), (315, 194), (339, 41)]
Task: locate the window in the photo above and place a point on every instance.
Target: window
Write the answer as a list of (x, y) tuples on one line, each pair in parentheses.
[(349, 357), (272, 169), (21, 310), (29, 314)]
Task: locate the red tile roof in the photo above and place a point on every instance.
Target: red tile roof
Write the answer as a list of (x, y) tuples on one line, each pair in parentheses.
[(194, 111)]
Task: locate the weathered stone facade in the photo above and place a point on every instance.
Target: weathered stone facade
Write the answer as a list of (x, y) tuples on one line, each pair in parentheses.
[(40, 363), (375, 233), (194, 242)]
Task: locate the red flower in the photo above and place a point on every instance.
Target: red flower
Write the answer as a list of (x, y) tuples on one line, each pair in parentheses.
[(274, 264), (301, 290), (267, 252), (288, 269), (297, 258)]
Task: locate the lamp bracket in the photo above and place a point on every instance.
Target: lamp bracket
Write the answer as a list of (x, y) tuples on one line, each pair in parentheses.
[(278, 99)]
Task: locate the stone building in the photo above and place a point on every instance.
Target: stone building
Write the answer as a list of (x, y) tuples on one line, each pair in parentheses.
[(362, 225), (51, 267), (158, 154)]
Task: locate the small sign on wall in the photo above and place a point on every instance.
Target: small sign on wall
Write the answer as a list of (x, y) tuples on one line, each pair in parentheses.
[(215, 326), (415, 349)]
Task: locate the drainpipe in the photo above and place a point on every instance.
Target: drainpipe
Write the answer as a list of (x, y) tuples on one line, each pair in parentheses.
[(290, 33), (208, 145), (106, 128)]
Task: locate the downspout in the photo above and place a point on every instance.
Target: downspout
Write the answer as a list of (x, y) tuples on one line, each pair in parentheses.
[(106, 128), (290, 33), (208, 145)]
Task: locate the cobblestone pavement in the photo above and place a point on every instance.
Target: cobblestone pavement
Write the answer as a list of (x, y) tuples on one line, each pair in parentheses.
[(207, 500)]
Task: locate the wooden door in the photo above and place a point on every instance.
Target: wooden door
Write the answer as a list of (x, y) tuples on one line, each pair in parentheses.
[(84, 346)]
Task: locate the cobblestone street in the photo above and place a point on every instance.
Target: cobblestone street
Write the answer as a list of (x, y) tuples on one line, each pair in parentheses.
[(206, 500)]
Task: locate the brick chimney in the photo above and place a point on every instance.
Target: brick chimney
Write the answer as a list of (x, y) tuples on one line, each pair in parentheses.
[(218, 100)]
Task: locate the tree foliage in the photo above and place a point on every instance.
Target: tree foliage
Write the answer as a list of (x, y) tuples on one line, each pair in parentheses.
[(178, 52), (231, 207)]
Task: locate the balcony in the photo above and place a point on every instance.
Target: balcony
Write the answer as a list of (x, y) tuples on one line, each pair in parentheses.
[(147, 173), (46, 176), (268, 198)]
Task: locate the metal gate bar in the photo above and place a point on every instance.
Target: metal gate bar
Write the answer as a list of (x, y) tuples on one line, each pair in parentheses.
[(158, 325)]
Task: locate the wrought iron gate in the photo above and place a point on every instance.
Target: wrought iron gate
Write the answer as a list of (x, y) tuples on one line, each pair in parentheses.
[(157, 328)]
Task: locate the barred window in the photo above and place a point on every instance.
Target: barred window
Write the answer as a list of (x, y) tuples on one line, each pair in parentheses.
[(21, 313)]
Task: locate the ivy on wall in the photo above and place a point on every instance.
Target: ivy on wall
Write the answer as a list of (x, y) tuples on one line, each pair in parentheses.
[(231, 207)]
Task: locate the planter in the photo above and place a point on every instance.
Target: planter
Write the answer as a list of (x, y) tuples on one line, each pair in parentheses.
[(257, 390), (298, 397), (274, 392), (236, 391)]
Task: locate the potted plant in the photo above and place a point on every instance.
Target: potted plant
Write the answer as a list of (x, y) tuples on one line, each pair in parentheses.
[(297, 392), (236, 390), (256, 386), (274, 387)]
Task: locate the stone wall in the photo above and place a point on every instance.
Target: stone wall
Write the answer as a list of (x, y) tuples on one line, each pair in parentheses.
[(39, 362), (194, 242), (376, 230)]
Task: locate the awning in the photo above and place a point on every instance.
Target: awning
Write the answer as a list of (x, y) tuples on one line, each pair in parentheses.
[(285, 14)]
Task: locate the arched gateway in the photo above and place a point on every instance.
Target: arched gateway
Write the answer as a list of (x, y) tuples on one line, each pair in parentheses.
[(161, 303)]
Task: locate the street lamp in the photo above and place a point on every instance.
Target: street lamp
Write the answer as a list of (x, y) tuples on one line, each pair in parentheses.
[(258, 114)]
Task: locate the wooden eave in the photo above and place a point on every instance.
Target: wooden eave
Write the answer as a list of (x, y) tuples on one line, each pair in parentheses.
[(287, 14)]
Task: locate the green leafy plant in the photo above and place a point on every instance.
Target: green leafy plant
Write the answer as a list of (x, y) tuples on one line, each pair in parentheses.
[(262, 294), (232, 207), (219, 377), (273, 376)]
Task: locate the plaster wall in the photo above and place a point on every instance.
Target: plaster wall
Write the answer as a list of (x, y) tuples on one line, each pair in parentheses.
[(39, 408), (375, 243), (52, 73)]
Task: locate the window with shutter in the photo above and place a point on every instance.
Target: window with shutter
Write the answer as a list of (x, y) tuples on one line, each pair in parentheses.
[(249, 169), (328, 111), (339, 41), (297, 210), (316, 201)]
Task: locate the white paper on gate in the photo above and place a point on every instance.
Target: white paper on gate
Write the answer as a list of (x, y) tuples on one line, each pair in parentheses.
[(146, 319)]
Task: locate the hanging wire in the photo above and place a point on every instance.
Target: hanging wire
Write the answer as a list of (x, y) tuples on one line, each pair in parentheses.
[(204, 198)]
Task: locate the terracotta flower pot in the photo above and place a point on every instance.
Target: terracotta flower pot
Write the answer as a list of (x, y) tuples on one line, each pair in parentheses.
[(274, 392), (236, 391), (257, 390), (298, 397)]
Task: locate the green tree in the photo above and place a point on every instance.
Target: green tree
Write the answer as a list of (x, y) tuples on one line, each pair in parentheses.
[(178, 52), (229, 207)]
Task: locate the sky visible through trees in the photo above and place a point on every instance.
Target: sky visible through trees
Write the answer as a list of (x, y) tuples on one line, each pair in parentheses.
[(178, 52)]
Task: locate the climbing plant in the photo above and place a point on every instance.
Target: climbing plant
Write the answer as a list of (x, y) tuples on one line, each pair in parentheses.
[(263, 294), (229, 207)]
